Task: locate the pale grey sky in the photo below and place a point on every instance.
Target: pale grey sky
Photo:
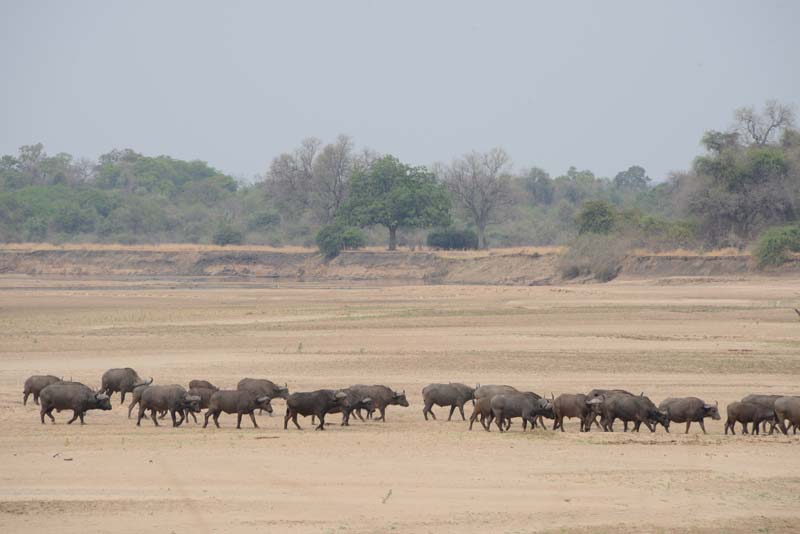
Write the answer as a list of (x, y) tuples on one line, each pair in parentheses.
[(598, 85)]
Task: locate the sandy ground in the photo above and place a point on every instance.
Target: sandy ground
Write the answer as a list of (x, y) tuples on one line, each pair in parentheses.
[(717, 340)]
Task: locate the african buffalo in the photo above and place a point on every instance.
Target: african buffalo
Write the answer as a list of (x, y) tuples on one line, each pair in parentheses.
[(452, 395), (353, 402), (787, 408), (569, 406), (172, 398), (748, 412), (137, 396), (35, 384), (236, 401), (262, 386), (767, 401), (122, 380), (316, 403), (202, 384), (526, 405), (689, 410), (629, 408), (595, 407), (382, 397), (205, 395), (71, 396), (492, 390)]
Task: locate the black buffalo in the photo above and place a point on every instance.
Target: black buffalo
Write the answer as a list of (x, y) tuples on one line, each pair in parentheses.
[(452, 395), (788, 408), (689, 410), (236, 401), (748, 412), (630, 409), (71, 396), (172, 398), (35, 384), (122, 380), (316, 403), (382, 397), (569, 406), (526, 405), (202, 384)]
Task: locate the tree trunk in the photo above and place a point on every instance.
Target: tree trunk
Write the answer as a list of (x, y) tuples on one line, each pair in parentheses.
[(482, 244), (392, 238)]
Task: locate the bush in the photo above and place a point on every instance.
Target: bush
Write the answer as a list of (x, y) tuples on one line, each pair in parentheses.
[(775, 244), (596, 217), (453, 239), (334, 238), (596, 255), (227, 234)]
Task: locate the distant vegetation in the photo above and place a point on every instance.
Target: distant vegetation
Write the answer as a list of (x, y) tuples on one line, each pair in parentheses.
[(744, 186)]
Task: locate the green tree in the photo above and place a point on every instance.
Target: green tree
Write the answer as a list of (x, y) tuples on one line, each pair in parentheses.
[(393, 194), (596, 217)]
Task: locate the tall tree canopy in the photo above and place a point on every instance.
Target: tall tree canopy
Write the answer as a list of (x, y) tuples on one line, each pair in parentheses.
[(395, 195)]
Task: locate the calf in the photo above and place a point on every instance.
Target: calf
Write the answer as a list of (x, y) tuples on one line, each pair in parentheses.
[(239, 402)]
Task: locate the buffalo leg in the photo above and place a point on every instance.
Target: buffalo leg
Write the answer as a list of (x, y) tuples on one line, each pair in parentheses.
[(81, 416), (25, 399), (461, 411), (688, 424), (216, 419), (744, 428), (122, 400), (208, 414), (358, 414), (286, 418), (559, 422), (487, 422), (74, 416), (141, 414), (452, 410), (321, 425), (153, 416), (702, 426), (253, 419), (174, 419), (239, 420), (499, 421)]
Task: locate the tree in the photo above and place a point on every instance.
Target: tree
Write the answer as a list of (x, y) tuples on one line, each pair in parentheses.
[(633, 179), (393, 194), (596, 217), (331, 172), (481, 185), (759, 129)]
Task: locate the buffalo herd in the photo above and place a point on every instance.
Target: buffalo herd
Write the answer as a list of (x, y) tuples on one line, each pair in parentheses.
[(494, 405)]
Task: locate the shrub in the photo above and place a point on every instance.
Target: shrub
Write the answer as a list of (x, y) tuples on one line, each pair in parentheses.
[(597, 255), (227, 234), (334, 238), (596, 217), (775, 244), (453, 239)]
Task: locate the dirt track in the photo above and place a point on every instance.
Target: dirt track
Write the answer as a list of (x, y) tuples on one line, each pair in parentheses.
[(717, 340)]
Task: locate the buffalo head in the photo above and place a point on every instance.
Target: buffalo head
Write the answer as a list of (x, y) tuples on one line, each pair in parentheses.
[(712, 411), (400, 398), (191, 403), (103, 401), (264, 404)]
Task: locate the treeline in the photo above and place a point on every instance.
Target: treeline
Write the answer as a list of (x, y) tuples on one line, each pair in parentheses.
[(746, 180)]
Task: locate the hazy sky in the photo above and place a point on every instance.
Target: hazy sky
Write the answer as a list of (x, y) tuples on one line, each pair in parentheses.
[(598, 84)]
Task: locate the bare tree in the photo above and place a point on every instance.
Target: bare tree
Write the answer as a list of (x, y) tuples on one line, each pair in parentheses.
[(331, 171), (290, 175), (759, 128), (480, 183)]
